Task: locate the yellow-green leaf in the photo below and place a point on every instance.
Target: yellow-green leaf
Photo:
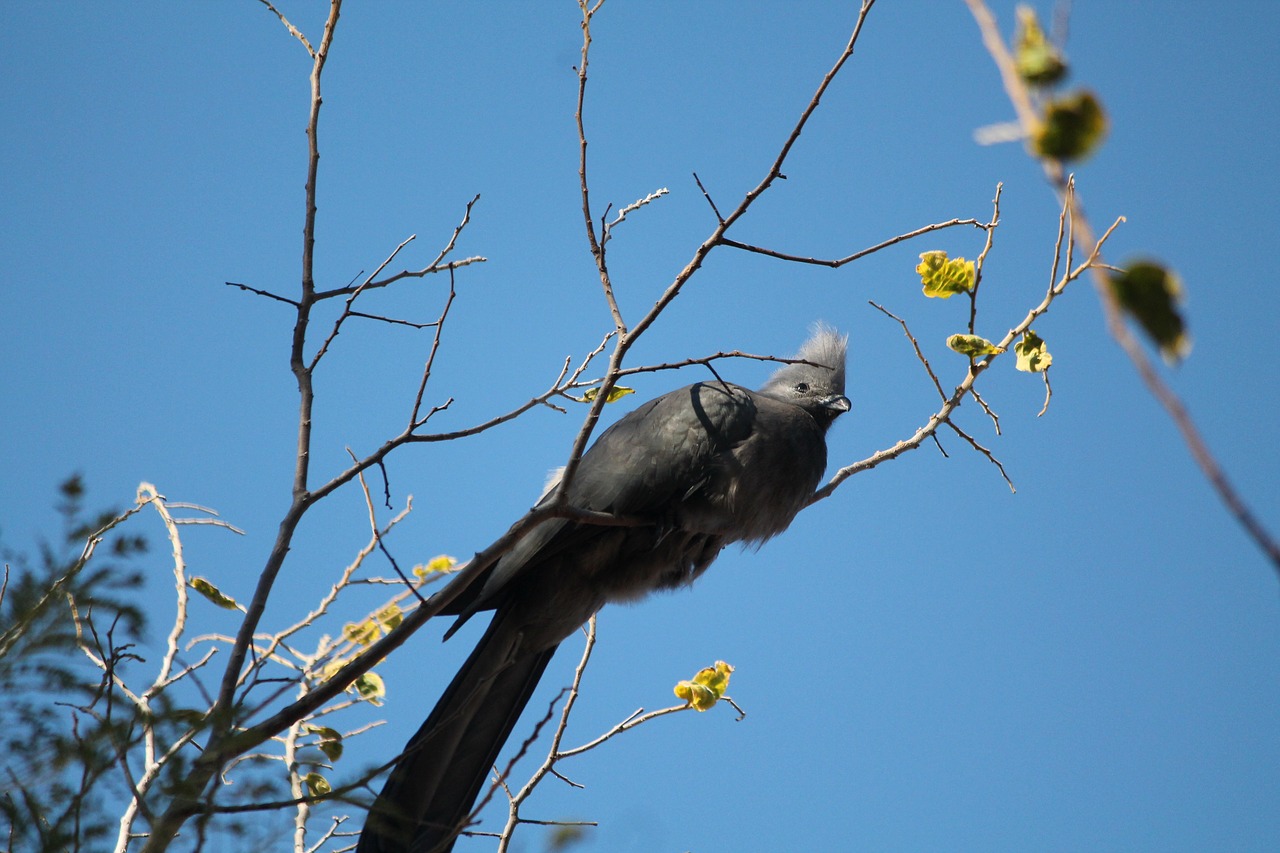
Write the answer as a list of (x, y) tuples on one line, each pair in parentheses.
[(1037, 60), (1152, 294), (943, 277), (362, 633), (696, 695), (330, 742), (707, 687), (616, 393), (390, 616), (442, 563), (212, 593), (1072, 127), (317, 784), (972, 345), (330, 669), (1032, 355), (371, 688)]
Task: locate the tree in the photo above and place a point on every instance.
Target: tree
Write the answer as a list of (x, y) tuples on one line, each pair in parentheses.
[(241, 668)]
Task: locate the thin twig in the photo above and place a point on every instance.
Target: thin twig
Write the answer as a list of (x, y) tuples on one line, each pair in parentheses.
[(915, 345), (836, 263), (995, 419), (707, 196), (436, 266), (265, 293), (294, 31), (606, 229), (984, 451)]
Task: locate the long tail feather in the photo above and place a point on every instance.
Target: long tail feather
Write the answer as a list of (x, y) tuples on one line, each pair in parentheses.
[(432, 789)]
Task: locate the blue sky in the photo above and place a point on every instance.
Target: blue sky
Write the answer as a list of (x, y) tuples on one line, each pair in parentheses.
[(927, 661)]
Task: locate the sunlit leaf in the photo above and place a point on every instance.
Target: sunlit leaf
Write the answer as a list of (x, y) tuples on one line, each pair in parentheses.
[(317, 784), (330, 742), (212, 593), (1031, 353), (1072, 127), (362, 633), (1037, 60), (330, 669), (1152, 295), (696, 695), (371, 688), (442, 563), (390, 616), (943, 277), (707, 687), (616, 393), (972, 345)]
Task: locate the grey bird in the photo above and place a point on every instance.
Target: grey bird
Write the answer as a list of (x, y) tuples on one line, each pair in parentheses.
[(703, 466)]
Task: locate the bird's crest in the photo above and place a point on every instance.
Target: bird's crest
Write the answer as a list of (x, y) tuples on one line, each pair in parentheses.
[(825, 347)]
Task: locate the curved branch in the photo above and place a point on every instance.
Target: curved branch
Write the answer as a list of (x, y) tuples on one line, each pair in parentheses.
[(836, 263)]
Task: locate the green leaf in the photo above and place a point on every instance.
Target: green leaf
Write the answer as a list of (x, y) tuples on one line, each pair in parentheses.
[(943, 278), (390, 616), (1038, 61), (212, 593), (1151, 294), (317, 784), (361, 633), (972, 345), (1031, 353), (330, 669), (616, 393), (1072, 127), (442, 563), (707, 687), (330, 742), (371, 688)]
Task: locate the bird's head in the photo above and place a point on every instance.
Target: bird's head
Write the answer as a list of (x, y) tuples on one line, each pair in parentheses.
[(818, 387)]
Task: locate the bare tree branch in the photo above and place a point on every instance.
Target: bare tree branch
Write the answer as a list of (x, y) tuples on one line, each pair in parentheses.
[(836, 263)]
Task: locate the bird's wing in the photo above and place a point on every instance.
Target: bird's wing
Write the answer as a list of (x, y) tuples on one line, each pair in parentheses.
[(647, 465)]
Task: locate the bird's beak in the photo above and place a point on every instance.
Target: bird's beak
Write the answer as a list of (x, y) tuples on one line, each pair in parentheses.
[(837, 403)]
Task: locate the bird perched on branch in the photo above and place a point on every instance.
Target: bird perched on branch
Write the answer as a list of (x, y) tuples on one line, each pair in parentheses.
[(692, 471)]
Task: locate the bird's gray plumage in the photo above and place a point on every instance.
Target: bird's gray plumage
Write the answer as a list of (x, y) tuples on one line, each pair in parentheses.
[(705, 466)]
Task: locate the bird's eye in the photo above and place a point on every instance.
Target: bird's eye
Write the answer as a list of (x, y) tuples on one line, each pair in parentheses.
[(803, 387)]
